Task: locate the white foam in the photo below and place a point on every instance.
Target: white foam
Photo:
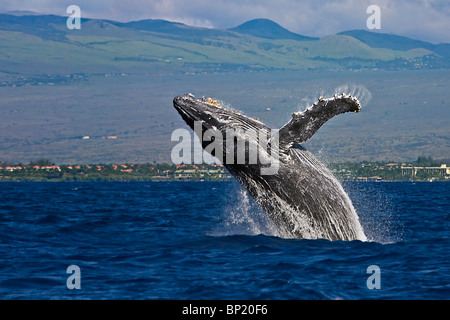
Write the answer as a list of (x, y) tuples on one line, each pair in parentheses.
[(355, 90), (244, 216)]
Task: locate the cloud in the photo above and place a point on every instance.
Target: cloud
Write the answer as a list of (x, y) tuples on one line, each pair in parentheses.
[(421, 19)]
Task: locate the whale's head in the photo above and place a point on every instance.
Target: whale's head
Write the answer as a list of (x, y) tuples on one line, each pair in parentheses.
[(212, 114), (226, 134)]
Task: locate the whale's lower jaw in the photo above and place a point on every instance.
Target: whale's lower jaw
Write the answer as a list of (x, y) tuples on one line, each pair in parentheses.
[(304, 200)]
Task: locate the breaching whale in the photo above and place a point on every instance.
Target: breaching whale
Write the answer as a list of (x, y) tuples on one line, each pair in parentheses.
[(299, 194)]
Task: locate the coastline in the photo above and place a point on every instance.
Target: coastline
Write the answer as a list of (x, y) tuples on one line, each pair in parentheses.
[(45, 171)]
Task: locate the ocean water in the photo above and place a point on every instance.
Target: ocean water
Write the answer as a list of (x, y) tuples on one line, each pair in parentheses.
[(208, 240)]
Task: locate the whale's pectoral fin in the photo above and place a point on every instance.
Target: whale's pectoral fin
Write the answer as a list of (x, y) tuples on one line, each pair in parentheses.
[(304, 125)]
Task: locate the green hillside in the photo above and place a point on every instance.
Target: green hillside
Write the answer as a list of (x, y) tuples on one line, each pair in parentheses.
[(267, 29), (43, 44), (395, 42)]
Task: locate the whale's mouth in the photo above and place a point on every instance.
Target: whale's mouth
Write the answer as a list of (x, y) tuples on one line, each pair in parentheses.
[(192, 110), (186, 109)]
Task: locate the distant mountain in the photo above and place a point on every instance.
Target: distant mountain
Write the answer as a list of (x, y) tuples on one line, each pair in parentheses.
[(42, 26), (175, 29), (157, 25), (42, 44), (22, 13), (267, 29), (395, 42), (27, 22), (384, 40)]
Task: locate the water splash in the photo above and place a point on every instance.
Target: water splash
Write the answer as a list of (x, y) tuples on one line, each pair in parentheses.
[(378, 220), (356, 90), (244, 216)]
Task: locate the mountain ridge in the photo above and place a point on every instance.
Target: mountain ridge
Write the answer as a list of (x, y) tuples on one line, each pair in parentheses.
[(268, 29), (276, 31), (396, 42), (104, 46)]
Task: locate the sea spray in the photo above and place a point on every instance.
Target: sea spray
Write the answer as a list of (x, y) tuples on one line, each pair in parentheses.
[(356, 90), (242, 215), (379, 220)]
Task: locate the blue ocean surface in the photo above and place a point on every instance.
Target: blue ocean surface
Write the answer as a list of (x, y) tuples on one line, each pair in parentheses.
[(209, 240)]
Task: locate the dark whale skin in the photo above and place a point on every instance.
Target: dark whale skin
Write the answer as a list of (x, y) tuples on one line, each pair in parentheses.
[(302, 198)]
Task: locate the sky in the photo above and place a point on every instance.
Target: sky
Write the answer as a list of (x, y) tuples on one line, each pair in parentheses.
[(427, 20)]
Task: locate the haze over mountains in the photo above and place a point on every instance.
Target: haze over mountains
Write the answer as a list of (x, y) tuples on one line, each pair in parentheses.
[(118, 79)]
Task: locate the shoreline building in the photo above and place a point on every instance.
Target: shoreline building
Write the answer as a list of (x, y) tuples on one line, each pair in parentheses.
[(443, 170)]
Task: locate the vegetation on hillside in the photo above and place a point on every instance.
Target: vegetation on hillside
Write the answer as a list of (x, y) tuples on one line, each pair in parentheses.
[(44, 45)]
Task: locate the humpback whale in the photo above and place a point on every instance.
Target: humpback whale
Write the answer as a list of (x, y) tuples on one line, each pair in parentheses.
[(299, 194)]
